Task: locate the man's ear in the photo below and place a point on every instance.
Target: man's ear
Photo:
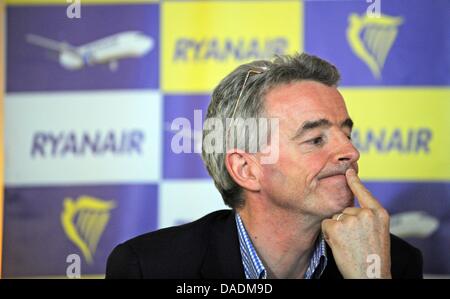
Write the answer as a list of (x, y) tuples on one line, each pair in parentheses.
[(244, 169)]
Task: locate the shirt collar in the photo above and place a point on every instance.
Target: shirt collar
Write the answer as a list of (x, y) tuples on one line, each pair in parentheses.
[(254, 267)]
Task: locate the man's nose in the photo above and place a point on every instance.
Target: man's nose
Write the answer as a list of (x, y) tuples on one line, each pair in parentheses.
[(346, 152)]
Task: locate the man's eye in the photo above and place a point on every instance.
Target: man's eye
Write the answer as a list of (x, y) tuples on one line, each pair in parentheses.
[(316, 141)]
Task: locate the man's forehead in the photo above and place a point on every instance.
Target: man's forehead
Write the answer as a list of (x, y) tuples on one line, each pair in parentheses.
[(305, 99)]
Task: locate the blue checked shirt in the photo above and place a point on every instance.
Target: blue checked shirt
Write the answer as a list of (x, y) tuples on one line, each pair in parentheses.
[(254, 268)]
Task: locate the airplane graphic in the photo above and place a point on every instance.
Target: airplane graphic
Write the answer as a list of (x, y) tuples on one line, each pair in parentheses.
[(417, 224), (107, 50)]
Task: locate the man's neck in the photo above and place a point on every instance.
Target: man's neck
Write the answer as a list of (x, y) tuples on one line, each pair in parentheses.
[(284, 240)]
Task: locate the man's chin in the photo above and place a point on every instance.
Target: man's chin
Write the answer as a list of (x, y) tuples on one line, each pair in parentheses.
[(338, 203), (346, 202), (333, 210)]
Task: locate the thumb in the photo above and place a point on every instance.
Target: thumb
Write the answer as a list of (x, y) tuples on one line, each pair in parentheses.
[(326, 227)]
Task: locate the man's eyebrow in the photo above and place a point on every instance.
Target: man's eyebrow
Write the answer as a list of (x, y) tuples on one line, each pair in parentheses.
[(310, 125), (320, 123)]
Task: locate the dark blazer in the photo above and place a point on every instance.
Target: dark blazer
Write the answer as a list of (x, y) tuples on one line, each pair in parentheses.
[(209, 248)]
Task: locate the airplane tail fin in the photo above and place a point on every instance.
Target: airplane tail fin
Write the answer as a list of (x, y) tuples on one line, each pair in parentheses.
[(47, 43)]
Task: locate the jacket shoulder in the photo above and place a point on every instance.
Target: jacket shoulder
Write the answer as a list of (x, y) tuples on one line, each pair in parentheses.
[(406, 260), (172, 252)]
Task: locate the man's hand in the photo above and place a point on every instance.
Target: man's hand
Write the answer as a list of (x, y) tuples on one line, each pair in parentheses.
[(359, 233)]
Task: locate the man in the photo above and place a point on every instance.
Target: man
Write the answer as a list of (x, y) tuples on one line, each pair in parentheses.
[(291, 218)]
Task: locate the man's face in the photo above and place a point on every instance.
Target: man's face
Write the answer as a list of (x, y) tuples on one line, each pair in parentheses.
[(314, 150)]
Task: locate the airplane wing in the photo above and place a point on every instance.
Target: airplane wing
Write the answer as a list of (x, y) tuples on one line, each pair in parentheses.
[(49, 44)]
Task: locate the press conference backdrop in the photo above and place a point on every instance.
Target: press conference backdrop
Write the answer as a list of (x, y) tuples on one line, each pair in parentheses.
[(91, 93)]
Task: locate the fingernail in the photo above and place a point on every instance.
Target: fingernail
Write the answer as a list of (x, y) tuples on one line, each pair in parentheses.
[(351, 171)]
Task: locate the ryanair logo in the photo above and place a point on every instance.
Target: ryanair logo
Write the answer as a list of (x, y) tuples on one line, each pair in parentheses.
[(371, 39), (218, 50), (211, 38), (84, 221), (405, 135)]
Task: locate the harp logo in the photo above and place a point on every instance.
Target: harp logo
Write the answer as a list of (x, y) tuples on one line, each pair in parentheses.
[(371, 39), (84, 221)]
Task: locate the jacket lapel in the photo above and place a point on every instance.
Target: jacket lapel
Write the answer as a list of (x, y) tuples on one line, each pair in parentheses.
[(223, 257)]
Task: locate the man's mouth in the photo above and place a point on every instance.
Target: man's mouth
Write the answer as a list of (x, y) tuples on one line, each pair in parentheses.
[(337, 178), (332, 174)]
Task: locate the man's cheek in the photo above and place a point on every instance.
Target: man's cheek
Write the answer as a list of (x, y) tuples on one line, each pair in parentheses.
[(272, 176), (310, 181), (313, 169), (312, 178)]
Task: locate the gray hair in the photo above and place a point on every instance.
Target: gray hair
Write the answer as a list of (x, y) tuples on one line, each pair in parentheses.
[(282, 70)]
